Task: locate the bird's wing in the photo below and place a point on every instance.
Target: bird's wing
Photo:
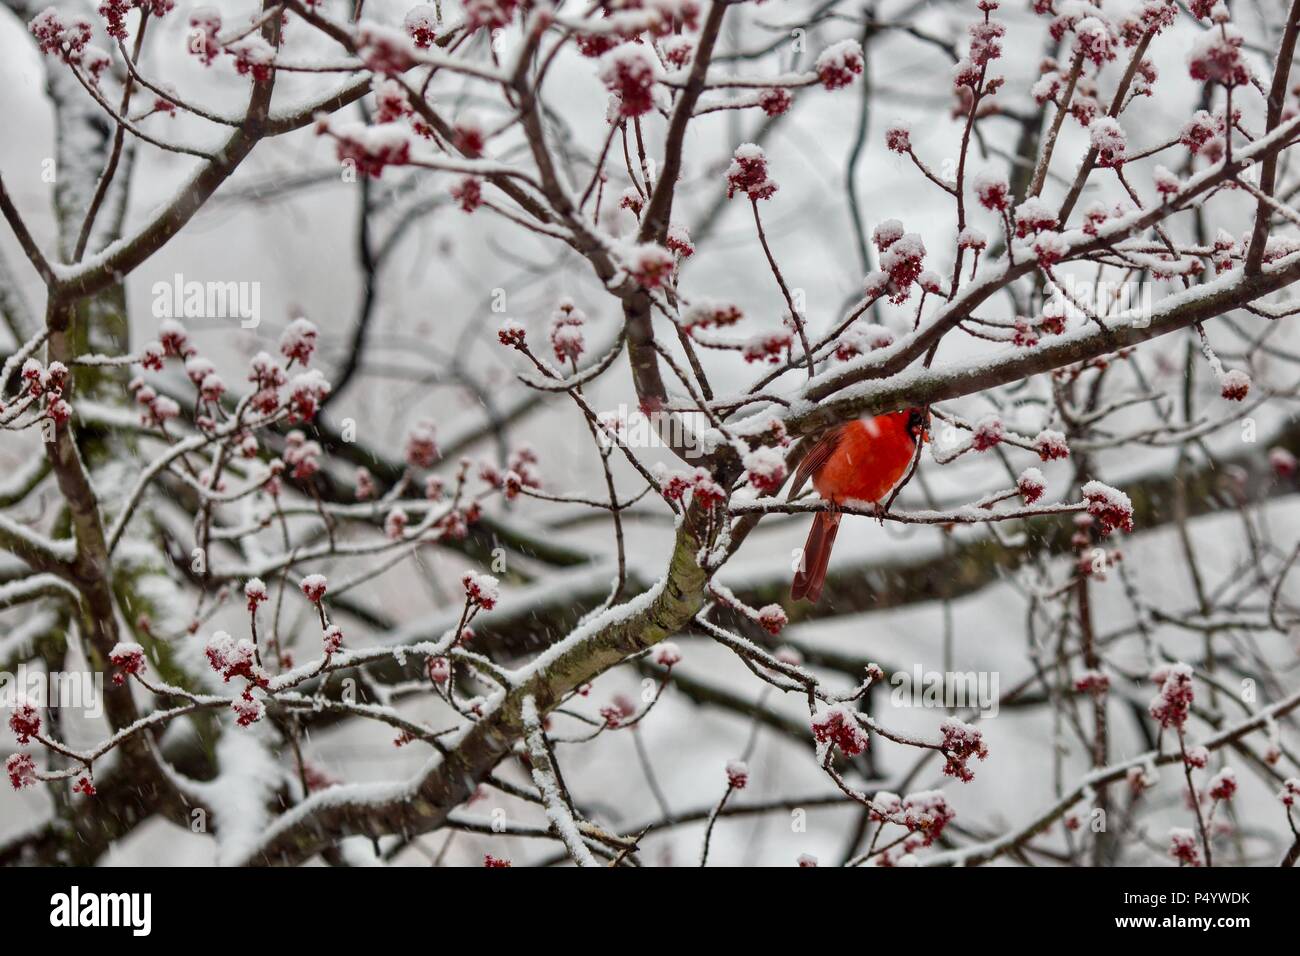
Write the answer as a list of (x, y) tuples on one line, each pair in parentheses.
[(821, 450)]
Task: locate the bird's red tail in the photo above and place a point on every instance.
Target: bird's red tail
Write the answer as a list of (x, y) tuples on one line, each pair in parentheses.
[(811, 573)]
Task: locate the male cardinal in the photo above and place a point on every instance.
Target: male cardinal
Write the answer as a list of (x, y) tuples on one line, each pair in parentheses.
[(859, 461)]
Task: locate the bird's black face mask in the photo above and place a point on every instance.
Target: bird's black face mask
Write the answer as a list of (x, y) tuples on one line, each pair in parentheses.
[(918, 425)]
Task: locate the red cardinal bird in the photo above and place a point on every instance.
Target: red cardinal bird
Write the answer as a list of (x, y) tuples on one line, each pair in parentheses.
[(859, 461)]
